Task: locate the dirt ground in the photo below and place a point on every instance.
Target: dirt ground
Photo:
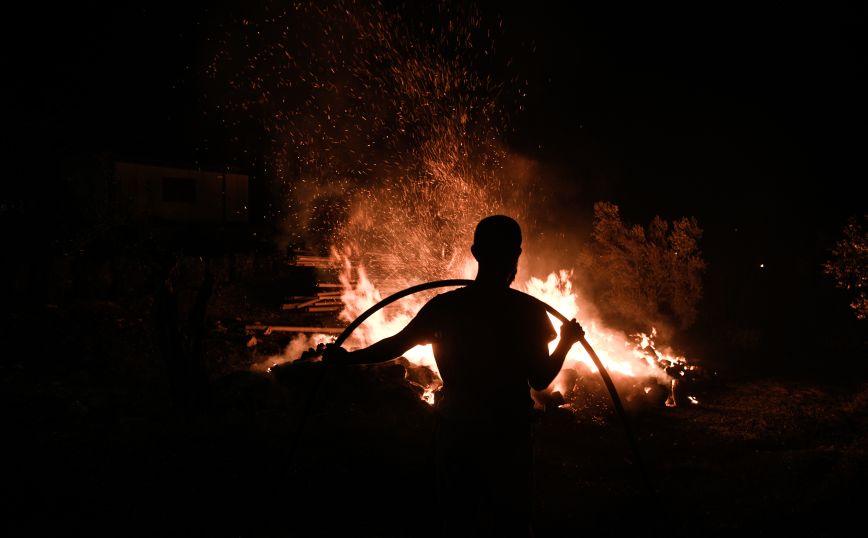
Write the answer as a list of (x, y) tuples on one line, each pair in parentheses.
[(96, 444)]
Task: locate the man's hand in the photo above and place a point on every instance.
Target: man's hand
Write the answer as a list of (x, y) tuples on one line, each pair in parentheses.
[(571, 332), (335, 354)]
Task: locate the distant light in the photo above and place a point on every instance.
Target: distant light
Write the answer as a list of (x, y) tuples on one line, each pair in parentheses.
[(762, 265)]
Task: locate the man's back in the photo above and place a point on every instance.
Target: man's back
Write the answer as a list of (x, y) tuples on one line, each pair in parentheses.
[(490, 343), (484, 338)]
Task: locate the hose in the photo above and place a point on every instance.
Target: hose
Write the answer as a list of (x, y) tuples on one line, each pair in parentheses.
[(607, 380)]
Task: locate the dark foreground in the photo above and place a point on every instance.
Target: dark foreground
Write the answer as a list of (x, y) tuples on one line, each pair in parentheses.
[(99, 441), (755, 458)]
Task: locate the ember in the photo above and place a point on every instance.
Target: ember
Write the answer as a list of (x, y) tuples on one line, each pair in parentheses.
[(409, 158)]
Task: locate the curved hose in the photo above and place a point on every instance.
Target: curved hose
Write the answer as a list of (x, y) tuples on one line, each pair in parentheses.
[(394, 297), (616, 399)]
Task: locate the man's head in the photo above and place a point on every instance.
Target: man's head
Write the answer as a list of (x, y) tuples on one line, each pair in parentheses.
[(497, 246)]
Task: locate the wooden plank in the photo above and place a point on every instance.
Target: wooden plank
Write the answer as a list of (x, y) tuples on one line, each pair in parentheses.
[(292, 329), (306, 303), (325, 309), (293, 306)]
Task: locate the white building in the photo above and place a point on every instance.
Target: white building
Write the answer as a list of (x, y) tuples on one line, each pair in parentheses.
[(181, 195)]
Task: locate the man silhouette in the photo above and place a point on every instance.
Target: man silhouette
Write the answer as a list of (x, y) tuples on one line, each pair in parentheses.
[(490, 342)]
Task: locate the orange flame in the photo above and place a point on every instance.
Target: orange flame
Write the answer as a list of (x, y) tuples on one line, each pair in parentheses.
[(624, 356)]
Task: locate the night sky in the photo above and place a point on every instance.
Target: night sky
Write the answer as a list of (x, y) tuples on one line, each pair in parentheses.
[(751, 119)]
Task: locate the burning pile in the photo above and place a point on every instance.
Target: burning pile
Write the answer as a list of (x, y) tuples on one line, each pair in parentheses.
[(388, 138), (627, 357)]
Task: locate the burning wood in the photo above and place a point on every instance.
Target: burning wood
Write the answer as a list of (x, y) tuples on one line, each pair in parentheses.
[(629, 358), (635, 356)]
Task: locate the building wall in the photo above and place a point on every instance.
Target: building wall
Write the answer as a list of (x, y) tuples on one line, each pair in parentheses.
[(181, 195)]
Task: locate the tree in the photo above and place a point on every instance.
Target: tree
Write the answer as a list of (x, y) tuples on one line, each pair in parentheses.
[(849, 264), (644, 276)]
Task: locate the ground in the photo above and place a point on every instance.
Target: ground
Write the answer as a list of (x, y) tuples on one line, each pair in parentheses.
[(98, 443)]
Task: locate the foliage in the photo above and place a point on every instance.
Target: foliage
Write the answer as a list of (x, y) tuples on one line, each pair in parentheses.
[(849, 264), (640, 276)]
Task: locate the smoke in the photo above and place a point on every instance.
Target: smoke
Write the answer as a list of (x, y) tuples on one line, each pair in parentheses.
[(386, 133), (387, 129), (380, 121), (292, 352)]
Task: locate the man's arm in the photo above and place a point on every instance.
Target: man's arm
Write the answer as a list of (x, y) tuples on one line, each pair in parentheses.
[(415, 333), (384, 350), (545, 368)]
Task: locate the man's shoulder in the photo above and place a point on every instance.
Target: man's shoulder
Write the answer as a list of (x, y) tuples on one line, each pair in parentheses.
[(458, 294), (447, 297), (525, 300), (507, 298)]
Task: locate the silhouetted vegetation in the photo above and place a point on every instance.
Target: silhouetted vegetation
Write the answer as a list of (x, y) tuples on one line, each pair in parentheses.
[(849, 264), (639, 275)]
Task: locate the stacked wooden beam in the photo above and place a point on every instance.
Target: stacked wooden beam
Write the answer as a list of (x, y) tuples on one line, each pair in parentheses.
[(320, 262), (326, 301), (323, 301), (269, 329)]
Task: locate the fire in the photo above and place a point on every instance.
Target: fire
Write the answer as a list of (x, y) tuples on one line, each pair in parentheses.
[(410, 160), (624, 356), (364, 294)]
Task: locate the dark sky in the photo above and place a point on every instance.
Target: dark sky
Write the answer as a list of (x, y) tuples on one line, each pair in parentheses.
[(750, 118), (686, 106), (679, 104)]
